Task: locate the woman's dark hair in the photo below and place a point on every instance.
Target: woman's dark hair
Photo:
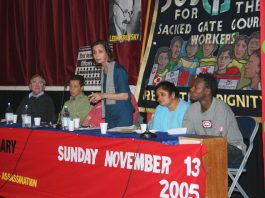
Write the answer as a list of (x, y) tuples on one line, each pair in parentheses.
[(176, 38), (242, 37), (209, 81), (106, 47), (162, 50), (225, 48), (190, 42), (169, 87)]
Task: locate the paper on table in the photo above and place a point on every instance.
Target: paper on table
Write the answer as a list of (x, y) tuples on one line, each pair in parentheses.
[(190, 140), (87, 128), (125, 129), (177, 131)]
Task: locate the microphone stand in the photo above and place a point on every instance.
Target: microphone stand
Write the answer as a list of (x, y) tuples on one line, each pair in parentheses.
[(59, 121), (147, 134)]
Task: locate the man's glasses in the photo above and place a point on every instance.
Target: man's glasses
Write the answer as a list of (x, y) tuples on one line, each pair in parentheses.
[(124, 12), (37, 83)]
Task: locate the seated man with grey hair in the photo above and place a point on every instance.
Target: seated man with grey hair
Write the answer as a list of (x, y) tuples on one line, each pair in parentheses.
[(39, 103)]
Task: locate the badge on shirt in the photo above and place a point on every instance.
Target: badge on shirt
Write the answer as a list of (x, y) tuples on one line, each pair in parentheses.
[(206, 124)]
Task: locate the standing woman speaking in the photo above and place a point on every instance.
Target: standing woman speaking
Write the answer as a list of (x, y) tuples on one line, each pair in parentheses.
[(115, 92)]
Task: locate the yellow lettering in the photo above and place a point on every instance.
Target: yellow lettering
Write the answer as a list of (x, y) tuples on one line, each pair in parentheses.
[(153, 98), (254, 98), (244, 101), (147, 95), (125, 37), (240, 100), (183, 94), (20, 179), (231, 100)]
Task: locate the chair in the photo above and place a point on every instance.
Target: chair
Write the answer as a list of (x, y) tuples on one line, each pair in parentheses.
[(248, 127)]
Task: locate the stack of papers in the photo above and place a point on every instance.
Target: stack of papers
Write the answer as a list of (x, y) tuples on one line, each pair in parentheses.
[(177, 131), (125, 129), (87, 128)]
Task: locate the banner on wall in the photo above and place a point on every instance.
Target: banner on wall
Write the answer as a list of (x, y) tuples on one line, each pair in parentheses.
[(124, 20), (51, 164), (192, 37)]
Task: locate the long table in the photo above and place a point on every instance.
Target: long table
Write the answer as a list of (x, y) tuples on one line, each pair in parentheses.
[(50, 163)]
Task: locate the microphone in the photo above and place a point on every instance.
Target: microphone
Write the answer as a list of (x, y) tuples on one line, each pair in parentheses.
[(147, 134), (59, 122)]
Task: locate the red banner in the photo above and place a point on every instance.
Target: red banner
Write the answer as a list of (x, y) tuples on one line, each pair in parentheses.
[(262, 42), (38, 163)]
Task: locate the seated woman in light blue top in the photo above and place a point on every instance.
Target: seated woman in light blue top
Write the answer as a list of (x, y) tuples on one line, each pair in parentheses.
[(171, 109)]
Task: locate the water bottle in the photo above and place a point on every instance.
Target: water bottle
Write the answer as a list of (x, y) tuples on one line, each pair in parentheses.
[(26, 117), (9, 114), (65, 118)]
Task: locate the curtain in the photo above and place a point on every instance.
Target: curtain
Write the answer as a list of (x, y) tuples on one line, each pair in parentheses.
[(43, 37)]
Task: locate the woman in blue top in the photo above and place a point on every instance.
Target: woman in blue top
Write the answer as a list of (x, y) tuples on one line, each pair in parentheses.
[(115, 92), (171, 109)]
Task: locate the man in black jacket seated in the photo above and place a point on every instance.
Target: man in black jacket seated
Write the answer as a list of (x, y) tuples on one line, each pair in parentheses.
[(39, 104)]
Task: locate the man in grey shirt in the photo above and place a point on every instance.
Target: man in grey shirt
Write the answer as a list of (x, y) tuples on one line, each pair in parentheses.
[(211, 116)]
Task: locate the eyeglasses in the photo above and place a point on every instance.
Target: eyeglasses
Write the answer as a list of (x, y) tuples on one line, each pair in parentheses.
[(37, 83), (124, 12)]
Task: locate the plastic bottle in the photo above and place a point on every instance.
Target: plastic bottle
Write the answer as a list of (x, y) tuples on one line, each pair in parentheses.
[(26, 117), (65, 118), (9, 114)]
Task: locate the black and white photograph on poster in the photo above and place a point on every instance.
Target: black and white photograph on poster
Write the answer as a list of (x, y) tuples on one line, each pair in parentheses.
[(85, 66), (124, 20), (218, 37)]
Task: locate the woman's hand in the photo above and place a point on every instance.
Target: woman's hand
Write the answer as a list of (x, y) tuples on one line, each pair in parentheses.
[(95, 97)]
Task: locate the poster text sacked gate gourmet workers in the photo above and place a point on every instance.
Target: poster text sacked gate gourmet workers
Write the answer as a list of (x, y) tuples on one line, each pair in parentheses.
[(191, 37)]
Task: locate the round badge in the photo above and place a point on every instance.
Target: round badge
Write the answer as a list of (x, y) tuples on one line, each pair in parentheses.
[(206, 123)]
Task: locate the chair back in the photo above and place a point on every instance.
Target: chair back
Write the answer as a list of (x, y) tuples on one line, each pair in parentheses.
[(248, 127)]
